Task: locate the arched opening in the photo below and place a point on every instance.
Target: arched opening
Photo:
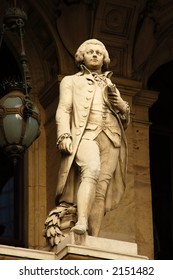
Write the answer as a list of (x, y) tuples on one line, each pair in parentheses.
[(161, 160)]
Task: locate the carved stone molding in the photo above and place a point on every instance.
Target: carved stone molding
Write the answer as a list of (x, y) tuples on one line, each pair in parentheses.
[(117, 58), (146, 98), (116, 19)]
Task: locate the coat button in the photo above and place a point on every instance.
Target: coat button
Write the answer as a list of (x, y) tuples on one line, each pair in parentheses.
[(78, 132), (81, 124), (85, 114), (88, 98)]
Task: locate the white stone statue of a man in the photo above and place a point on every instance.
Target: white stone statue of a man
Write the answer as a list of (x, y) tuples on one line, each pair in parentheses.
[(91, 118)]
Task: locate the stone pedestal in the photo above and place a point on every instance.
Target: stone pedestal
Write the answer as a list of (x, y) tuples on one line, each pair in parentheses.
[(77, 247), (85, 247)]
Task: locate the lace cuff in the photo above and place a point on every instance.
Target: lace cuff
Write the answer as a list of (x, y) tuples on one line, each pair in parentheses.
[(62, 137)]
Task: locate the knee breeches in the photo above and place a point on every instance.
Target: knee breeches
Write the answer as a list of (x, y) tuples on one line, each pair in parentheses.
[(97, 160)]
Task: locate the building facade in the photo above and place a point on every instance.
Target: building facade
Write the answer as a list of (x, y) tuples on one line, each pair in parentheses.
[(138, 36)]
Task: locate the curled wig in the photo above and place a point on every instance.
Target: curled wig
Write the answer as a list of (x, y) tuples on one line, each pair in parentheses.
[(82, 49)]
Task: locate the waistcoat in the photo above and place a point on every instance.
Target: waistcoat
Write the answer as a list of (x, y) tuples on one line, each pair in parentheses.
[(101, 119)]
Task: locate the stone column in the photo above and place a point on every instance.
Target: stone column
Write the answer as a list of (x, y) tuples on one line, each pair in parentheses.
[(143, 199), (36, 189)]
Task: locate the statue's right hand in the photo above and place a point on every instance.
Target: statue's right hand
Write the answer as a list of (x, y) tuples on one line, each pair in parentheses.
[(66, 146)]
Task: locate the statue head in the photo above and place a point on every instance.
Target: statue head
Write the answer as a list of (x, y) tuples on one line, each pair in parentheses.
[(79, 56)]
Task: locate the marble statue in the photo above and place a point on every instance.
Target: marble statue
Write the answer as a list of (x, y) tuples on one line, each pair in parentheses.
[(91, 120)]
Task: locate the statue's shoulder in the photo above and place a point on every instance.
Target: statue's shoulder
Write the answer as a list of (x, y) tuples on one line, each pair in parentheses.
[(71, 77)]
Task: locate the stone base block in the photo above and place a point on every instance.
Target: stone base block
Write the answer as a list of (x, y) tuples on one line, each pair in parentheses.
[(88, 247)]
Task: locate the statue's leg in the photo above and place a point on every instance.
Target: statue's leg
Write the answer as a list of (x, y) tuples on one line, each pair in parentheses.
[(85, 198), (109, 158), (88, 159), (96, 215)]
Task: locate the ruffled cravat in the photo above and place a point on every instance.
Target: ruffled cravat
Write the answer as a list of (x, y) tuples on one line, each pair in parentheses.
[(100, 79)]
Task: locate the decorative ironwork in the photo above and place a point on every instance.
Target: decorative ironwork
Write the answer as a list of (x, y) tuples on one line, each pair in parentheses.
[(16, 107)]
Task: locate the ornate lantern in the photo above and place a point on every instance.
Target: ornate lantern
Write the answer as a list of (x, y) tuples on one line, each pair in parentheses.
[(19, 116)]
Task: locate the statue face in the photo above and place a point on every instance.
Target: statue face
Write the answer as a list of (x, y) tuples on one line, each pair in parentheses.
[(93, 57)]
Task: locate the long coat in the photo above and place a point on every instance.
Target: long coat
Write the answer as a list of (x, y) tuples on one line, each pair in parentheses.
[(76, 95)]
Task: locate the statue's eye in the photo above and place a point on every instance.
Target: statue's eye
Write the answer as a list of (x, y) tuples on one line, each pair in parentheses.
[(99, 53), (90, 52)]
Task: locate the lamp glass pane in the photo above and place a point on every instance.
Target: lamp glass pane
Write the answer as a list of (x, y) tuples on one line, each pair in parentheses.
[(13, 102), (31, 132), (13, 128)]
